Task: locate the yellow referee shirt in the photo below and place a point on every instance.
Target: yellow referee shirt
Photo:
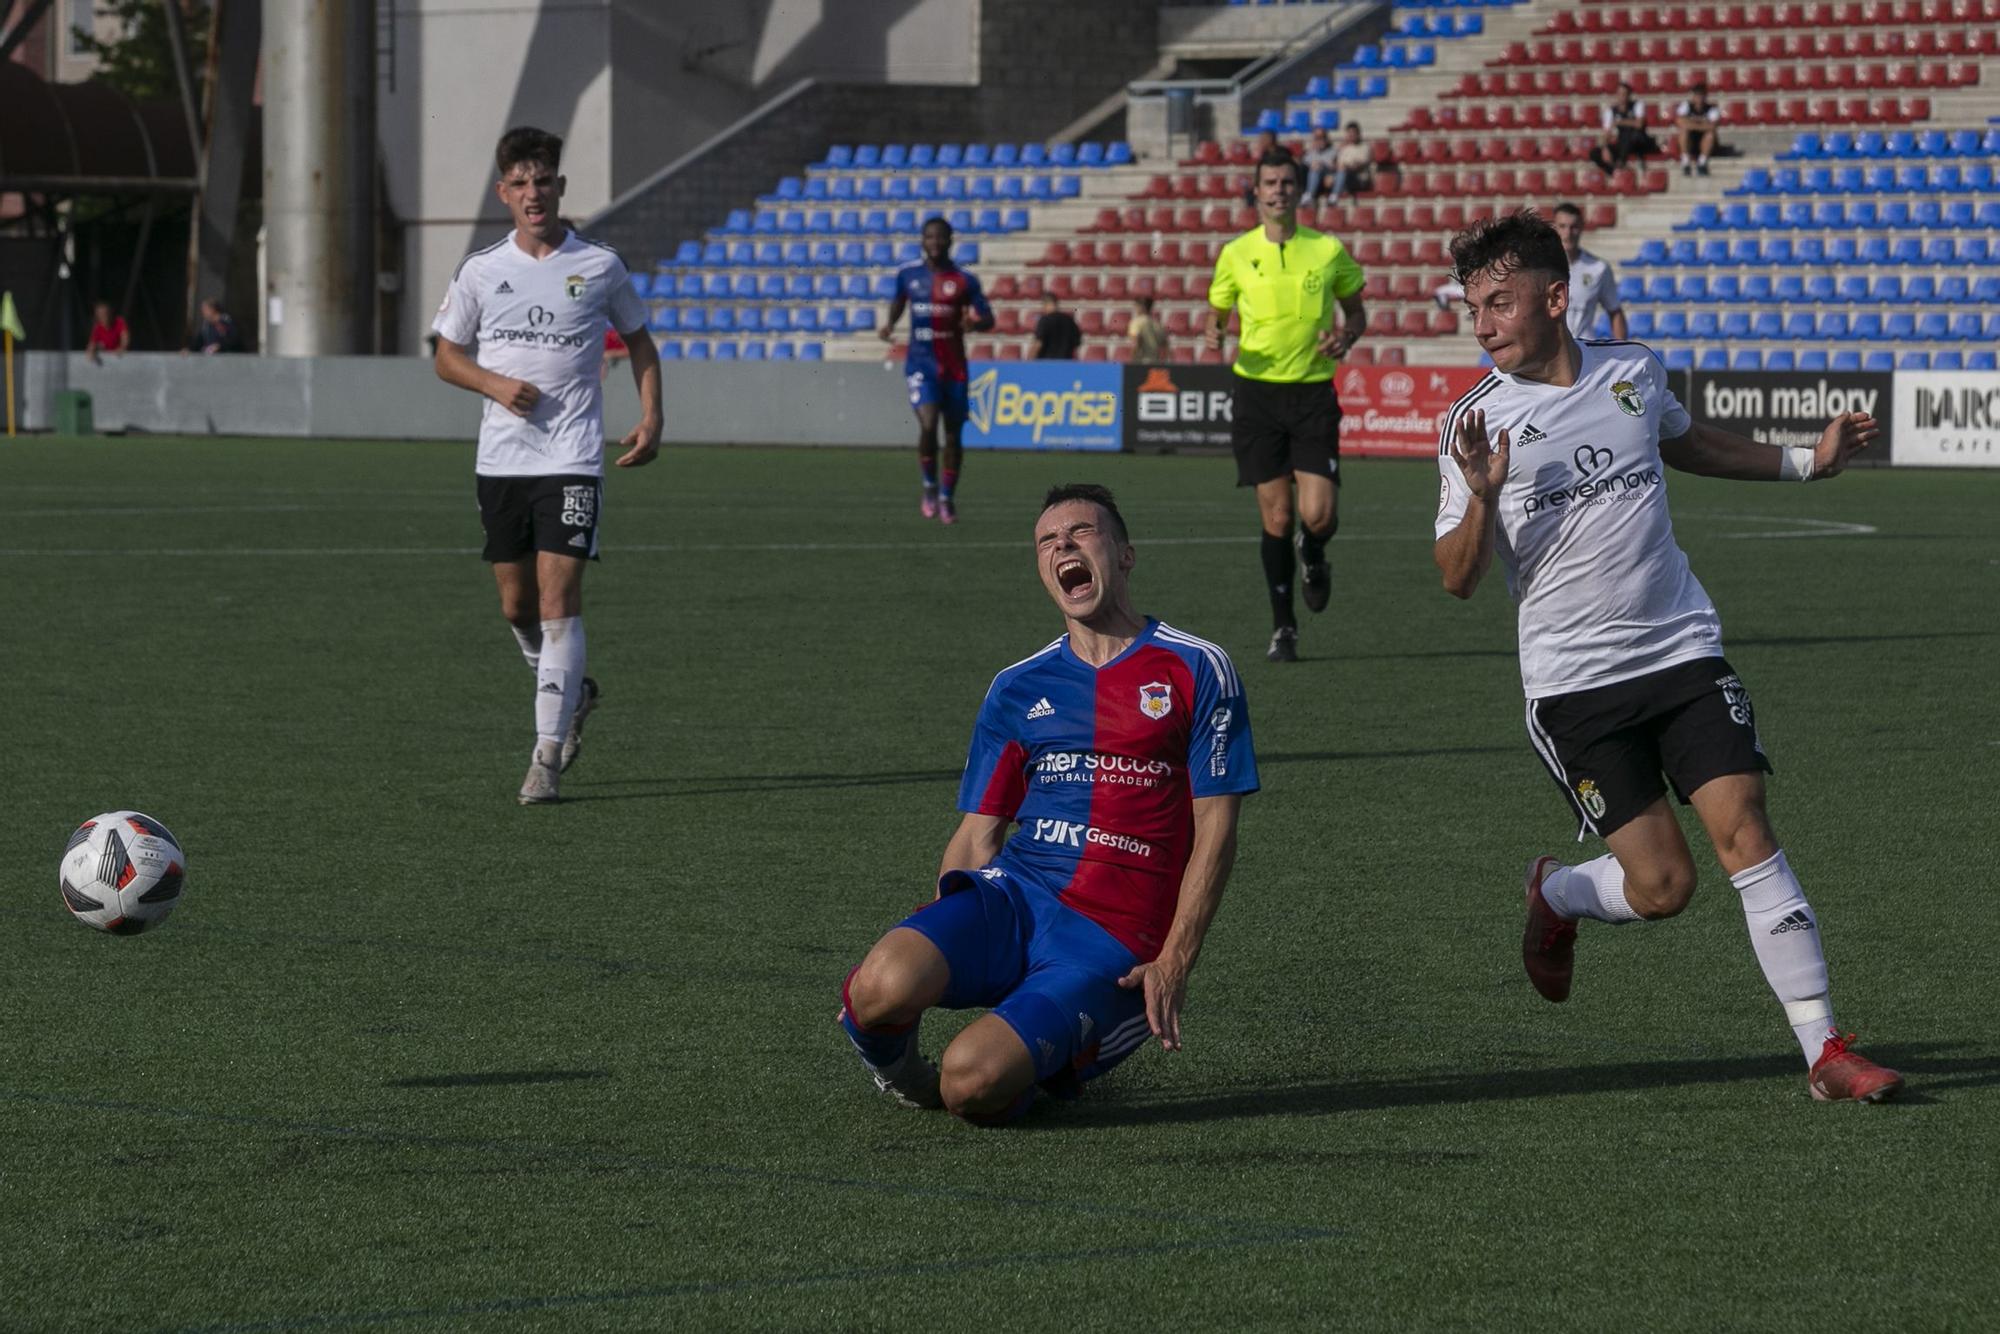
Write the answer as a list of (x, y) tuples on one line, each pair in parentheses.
[(1286, 293)]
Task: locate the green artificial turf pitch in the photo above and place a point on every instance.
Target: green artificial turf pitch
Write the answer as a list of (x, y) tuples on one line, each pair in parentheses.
[(409, 1056)]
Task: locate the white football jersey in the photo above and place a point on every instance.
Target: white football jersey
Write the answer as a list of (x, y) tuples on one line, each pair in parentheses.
[(1591, 288), (1605, 593), (542, 321)]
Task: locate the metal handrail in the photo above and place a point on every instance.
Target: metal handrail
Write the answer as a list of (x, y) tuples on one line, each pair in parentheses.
[(1257, 71)]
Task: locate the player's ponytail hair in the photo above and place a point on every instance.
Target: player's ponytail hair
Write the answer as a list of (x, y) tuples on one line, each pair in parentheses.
[(1498, 247), (1099, 496)]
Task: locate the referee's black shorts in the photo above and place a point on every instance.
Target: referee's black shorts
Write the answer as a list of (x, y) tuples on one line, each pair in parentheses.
[(1281, 429)]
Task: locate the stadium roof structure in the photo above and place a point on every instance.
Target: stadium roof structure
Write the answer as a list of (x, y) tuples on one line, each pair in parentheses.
[(66, 139)]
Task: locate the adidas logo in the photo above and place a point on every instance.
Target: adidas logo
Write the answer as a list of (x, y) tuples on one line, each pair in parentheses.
[(551, 688), (580, 540), (1532, 435), (1042, 709), (505, 289), (1796, 920)]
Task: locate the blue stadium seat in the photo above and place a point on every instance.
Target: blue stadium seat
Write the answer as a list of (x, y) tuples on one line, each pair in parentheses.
[(1799, 324), (766, 223), (1906, 250), (835, 320), (988, 220), (670, 349), (1870, 143), (1874, 250), (843, 188), (1787, 181), (1063, 155), (726, 351), (1468, 25), (1692, 287), (825, 286), (715, 284), (1038, 188), (1926, 213), (1652, 250), (781, 352), (1713, 359), (1820, 287), (749, 320), (960, 219), (1861, 215), (875, 221), (1809, 250), (1812, 359), (1756, 287), (1779, 359), (1933, 326), (1853, 287), (1010, 188), (1914, 361), (1015, 220), (1704, 217), (1639, 323), (1900, 326), (1799, 215), (743, 286), (1983, 360), (981, 188), (753, 352), (1902, 143), (818, 188), (1091, 154), (777, 319), (867, 156), (950, 157), (1661, 287), (1940, 250), (1006, 155), (1725, 287), (967, 252), (1680, 358), (1756, 181), (1945, 180), (1789, 288), (840, 155), (1965, 327), (1832, 324), (1989, 214), (1767, 324), (806, 319), (1867, 327), (1326, 119), (870, 188), (924, 187), (1948, 360), (1631, 287), (1986, 290), (1715, 252), (798, 254), (1034, 155), (1920, 289), (1736, 217), (812, 352), (697, 349), (1933, 143), (1955, 289), (1804, 145), (1736, 324), (667, 319), (895, 156), (1848, 180), (1319, 86), (1817, 181), (1959, 215), (1704, 324), (1378, 86), (1910, 180), (798, 287), (792, 222), (1830, 213), (1881, 180), (819, 223), (1364, 57), (1979, 177), (1767, 217), (1886, 290), (1847, 359), (1747, 359), (1671, 324), (1839, 143), (883, 286)]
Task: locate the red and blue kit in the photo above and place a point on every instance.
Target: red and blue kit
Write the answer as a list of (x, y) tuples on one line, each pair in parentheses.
[(935, 365), (1099, 767)]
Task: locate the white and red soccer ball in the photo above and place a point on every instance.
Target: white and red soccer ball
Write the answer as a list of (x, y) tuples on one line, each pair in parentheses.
[(122, 872)]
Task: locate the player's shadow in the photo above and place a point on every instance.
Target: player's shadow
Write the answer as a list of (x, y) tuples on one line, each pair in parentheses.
[(1929, 1071), (485, 1078)]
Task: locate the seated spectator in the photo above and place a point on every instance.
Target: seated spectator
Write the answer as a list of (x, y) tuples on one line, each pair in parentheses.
[(215, 333), (1694, 123), (1624, 134), (1322, 159), (108, 333), (1356, 163), (1149, 337), (1056, 336)]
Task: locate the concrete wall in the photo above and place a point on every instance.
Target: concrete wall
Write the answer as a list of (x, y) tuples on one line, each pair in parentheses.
[(401, 398)]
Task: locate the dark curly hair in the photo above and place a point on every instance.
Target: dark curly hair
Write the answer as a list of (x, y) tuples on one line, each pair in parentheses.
[(1509, 244)]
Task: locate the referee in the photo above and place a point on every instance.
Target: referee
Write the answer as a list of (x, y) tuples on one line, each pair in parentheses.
[(1285, 280)]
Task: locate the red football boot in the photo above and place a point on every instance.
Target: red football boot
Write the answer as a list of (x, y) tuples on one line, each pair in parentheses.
[(1844, 1075), (1548, 945)]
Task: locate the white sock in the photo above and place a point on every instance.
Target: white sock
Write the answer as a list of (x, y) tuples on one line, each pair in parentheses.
[(1701, 161), (1686, 161), (558, 677), (531, 645), (1595, 889), (1785, 935)]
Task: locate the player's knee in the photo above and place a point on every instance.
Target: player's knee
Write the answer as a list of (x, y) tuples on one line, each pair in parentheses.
[(883, 991), (974, 1084), (1746, 840), (1660, 891)]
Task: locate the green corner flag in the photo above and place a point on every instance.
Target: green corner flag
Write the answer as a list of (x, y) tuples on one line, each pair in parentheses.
[(10, 318)]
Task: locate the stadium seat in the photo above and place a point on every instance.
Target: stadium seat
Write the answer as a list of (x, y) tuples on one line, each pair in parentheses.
[(1671, 324), (1735, 324), (1756, 287), (1799, 325), (1725, 287), (1983, 360), (1866, 327), (1920, 289), (1779, 359), (1847, 359), (1713, 359), (1948, 360), (1914, 361), (1812, 359), (1639, 323), (1747, 359), (1680, 358), (1767, 324), (1704, 324), (1955, 289)]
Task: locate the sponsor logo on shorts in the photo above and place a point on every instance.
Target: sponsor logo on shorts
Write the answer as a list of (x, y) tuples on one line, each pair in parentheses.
[(1738, 700), (1076, 834), (579, 506), (1626, 395), (1156, 699), (1592, 799), (1083, 766)]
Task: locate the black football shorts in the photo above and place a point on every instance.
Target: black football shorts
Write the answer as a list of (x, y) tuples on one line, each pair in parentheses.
[(522, 515)]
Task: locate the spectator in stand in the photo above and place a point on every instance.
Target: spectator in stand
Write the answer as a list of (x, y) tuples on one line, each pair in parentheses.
[(1694, 123), (1322, 163), (108, 333), (215, 333), (1356, 163), (1148, 335), (1624, 136), (1056, 336)]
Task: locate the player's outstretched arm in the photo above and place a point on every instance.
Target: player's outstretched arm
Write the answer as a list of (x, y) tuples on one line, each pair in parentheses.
[(1464, 554), (1711, 452), (974, 844), (1165, 978), (642, 442), (455, 366)]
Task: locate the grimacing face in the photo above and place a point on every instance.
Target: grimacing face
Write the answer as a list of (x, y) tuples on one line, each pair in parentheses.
[(532, 192), (1516, 316), (1082, 563)]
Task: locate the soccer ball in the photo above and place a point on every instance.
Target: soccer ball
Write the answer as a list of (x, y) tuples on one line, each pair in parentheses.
[(122, 872)]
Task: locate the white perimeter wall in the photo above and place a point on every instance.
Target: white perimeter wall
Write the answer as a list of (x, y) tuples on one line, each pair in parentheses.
[(630, 86)]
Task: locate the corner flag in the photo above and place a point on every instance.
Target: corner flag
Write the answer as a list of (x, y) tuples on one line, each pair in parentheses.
[(10, 318)]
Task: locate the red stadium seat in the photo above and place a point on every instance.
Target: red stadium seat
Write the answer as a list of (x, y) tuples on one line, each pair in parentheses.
[(1179, 323), (1390, 356), (1451, 217), (1423, 218), (1209, 151), (1010, 352), (1031, 287), (1401, 252), (1107, 220), (1390, 218), (1110, 254), (1082, 253), (1601, 217), (1145, 285), (1443, 322), (1061, 286), (1430, 253), (1412, 324), (1160, 187), (1091, 322), (1056, 253), (1375, 288), (1367, 251), (1173, 287), (1405, 287), (1087, 286), (1005, 288), (1117, 287)]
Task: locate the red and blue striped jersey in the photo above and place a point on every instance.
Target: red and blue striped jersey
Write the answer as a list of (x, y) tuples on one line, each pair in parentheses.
[(1099, 767), (938, 299)]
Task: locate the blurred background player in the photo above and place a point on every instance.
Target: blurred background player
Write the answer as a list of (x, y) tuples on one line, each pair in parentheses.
[(938, 294), (1285, 281), (1620, 647), (1121, 753), (1592, 285), (536, 302)]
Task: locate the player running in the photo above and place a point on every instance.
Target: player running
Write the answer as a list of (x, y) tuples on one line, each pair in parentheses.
[(939, 294), (1285, 280), (537, 302), (1121, 753), (1621, 649)]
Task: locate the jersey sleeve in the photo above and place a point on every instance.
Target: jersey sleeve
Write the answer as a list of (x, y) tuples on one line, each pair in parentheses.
[(1347, 278), (1222, 287), (996, 777), (625, 310), (975, 297), (1453, 494), (1221, 757), (1674, 419), (457, 318)]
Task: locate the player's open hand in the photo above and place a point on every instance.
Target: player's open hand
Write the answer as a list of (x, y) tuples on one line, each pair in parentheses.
[(887, 333), (642, 446), (1333, 344), (1484, 464), (1211, 336), (1165, 984), (517, 396), (1843, 436)]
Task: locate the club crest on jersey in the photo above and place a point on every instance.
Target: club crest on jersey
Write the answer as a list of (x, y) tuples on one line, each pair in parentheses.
[(574, 285), (1156, 699), (1626, 395), (1592, 799)]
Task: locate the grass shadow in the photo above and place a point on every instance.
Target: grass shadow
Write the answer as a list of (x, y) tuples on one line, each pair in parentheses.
[(485, 1078)]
